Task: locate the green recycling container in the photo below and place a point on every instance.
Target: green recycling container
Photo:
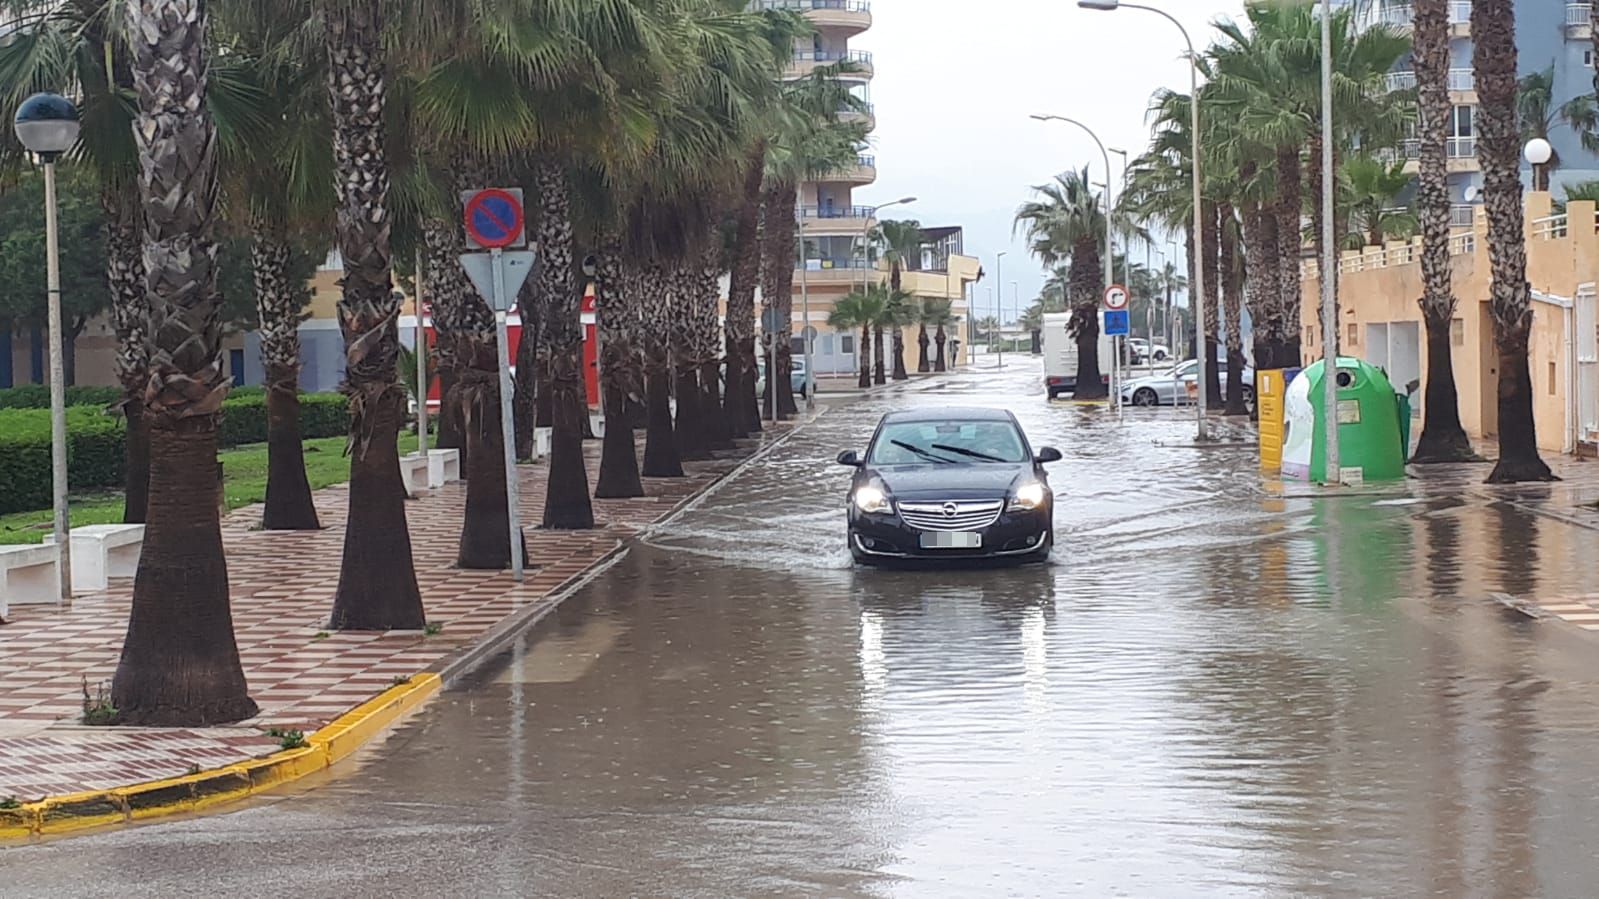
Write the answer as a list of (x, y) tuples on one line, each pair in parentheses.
[(1370, 431)]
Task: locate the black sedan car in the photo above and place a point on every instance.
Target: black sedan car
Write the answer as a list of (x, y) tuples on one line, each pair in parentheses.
[(950, 484)]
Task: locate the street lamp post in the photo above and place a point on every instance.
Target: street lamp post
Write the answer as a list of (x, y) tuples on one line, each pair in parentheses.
[(47, 125), (1538, 152), (805, 308), (866, 229), (1198, 288), (1329, 274), (999, 303)]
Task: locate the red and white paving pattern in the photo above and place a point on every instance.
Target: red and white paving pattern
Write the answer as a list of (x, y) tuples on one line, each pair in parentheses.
[(301, 675)]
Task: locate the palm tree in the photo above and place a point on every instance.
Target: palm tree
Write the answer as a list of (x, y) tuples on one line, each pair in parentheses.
[(283, 186), (180, 664), (1535, 96), (938, 314), (377, 580), (1493, 29), (1067, 222), (900, 242), (1443, 437), (1371, 190), (861, 309)]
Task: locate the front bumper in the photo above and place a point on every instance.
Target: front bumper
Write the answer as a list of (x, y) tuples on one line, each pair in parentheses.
[(1014, 533)]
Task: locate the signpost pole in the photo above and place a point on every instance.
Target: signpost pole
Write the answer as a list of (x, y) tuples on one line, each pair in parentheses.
[(507, 426), (421, 366)]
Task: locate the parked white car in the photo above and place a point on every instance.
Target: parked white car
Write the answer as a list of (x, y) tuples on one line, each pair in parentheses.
[(1142, 352), (1171, 387)]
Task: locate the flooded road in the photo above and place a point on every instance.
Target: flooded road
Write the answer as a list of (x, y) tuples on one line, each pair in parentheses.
[(1213, 689)]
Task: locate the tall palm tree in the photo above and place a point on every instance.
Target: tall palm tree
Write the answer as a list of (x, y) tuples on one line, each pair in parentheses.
[(899, 243), (1493, 29), (938, 314), (377, 580), (1443, 437), (180, 664), (1067, 222), (861, 309), (281, 185)]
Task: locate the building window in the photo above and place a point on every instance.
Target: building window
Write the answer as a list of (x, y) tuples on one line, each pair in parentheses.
[(1551, 379), (1587, 58), (824, 345), (1354, 334), (796, 345), (847, 344), (1457, 332), (1460, 121)]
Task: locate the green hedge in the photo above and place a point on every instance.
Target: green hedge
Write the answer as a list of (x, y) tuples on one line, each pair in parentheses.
[(244, 418), (37, 396), (94, 454), (95, 443)]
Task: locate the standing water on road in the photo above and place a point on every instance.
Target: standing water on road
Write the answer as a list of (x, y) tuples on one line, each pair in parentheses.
[(1212, 689)]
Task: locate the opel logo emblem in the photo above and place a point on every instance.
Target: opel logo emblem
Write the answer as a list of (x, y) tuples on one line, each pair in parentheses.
[(950, 509)]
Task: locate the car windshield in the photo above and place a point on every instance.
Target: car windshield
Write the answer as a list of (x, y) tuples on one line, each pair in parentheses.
[(917, 442)]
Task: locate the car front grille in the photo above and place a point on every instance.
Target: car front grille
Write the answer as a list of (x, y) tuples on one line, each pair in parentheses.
[(951, 516)]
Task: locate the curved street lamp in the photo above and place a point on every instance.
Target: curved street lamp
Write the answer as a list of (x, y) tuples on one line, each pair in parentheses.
[(47, 125), (1197, 291)]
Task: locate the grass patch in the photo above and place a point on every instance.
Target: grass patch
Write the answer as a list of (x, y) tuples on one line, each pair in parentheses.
[(288, 739), (244, 471)]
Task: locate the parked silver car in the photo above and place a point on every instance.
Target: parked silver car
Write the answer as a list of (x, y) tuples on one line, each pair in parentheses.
[(1171, 387)]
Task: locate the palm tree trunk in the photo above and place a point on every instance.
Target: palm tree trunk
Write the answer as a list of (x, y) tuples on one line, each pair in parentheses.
[(1232, 294), (616, 314), (524, 398), (878, 374), (660, 445), (707, 339), (180, 663), (740, 404), (1493, 28), (1258, 282), (898, 338), (1087, 285), (689, 428), (377, 580), (130, 316), (1289, 203), (288, 493), (777, 287), (485, 541), (566, 499), (866, 356), (446, 291), (1443, 437), (922, 364), (939, 338), (1211, 223)]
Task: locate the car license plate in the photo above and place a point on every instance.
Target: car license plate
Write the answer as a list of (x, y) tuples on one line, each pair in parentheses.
[(952, 540)]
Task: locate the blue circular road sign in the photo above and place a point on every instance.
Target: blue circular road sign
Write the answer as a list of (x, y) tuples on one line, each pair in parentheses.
[(494, 218)]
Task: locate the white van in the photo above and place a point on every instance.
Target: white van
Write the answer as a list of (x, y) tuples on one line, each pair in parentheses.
[(1060, 354)]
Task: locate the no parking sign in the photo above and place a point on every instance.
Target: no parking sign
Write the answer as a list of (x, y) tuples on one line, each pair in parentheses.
[(493, 218)]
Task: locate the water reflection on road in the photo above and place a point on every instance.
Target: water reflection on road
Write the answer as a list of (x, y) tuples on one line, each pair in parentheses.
[(1217, 687)]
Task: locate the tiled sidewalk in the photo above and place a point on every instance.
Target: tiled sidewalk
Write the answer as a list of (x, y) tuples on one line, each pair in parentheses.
[(301, 675)]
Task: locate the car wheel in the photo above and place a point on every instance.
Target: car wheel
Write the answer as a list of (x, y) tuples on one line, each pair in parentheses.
[(1145, 396), (1054, 394), (1160, 356)]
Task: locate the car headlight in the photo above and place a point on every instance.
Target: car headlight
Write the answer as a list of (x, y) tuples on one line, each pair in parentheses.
[(871, 498), (1028, 496)]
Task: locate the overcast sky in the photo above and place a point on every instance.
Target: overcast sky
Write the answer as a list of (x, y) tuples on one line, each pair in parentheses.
[(957, 79)]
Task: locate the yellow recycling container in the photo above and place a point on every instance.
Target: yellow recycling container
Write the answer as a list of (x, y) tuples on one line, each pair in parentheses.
[(1270, 387)]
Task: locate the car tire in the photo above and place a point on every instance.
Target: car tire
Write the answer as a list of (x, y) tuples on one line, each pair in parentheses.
[(1159, 356), (1145, 396), (1054, 394)]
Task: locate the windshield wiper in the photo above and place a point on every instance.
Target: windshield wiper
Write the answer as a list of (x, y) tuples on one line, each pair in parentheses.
[(966, 452), (921, 452)]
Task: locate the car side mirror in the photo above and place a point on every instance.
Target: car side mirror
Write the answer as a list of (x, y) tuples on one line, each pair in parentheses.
[(850, 458), (1048, 454)]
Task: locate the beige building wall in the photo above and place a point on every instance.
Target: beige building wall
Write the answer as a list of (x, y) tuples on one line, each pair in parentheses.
[(1379, 289)]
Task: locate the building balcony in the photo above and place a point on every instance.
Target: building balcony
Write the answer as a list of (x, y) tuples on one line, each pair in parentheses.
[(832, 272), (863, 171), (806, 61), (849, 16), (836, 219), (864, 112), (1461, 81), (1579, 21), (1403, 17), (1462, 216)]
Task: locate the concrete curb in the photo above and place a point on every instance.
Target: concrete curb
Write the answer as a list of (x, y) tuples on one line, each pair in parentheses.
[(337, 740), (196, 792)]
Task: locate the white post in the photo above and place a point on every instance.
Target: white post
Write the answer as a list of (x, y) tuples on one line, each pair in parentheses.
[(1329, 274), (999, 304), (421, 366), (805, 312), (58, 382), (507, 426)]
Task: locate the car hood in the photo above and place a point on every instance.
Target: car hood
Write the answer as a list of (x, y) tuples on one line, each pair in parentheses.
[(924, 483)]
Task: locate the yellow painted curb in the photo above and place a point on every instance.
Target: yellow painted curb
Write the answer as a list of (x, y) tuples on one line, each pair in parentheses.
[(193, 792)]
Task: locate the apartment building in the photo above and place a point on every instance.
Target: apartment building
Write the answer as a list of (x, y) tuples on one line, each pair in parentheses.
[(1550, 36)]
